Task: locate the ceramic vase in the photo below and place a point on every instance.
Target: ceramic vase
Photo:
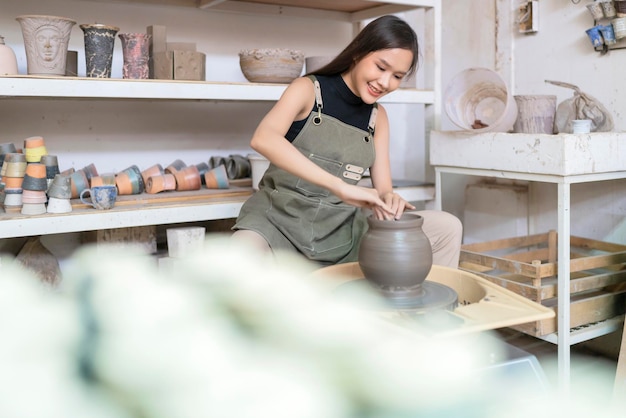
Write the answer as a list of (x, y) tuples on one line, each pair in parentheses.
[(46, 39), (8, 60), (99, 46), (135, 50), (395, 253)]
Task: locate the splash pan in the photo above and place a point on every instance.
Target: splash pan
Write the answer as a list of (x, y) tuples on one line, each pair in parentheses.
[(482, 305)]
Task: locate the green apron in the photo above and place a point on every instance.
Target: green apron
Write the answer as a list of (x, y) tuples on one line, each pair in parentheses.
[(293, 214)]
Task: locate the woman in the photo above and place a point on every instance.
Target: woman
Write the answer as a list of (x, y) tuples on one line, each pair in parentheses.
[(320, 137)]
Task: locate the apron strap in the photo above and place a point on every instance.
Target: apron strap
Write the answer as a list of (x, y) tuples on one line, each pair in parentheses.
[(318, 102)]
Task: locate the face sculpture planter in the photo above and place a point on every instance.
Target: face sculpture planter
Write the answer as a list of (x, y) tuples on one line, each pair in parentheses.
[(395, 257), (46, 39)]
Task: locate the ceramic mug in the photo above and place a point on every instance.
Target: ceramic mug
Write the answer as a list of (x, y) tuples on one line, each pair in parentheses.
[(101, 197)]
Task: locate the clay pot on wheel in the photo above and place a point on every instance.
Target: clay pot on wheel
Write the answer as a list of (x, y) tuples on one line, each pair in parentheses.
[(395, 255)]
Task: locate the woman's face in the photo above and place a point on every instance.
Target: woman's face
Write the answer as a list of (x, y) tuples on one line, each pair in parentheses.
[(379, 73), (48, 42)]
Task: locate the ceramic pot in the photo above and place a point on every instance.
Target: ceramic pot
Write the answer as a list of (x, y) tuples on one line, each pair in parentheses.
[(188, 179), (160, 183), (99, 45), (60, 188), (46, 39), (8, 60), (154, 170), (395, 253), (135, 50)]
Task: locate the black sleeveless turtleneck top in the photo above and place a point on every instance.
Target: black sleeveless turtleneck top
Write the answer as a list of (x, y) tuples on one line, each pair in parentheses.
[(340, 103)]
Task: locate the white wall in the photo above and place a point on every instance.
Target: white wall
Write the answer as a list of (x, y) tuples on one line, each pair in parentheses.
[(484, 33), (148, 132)]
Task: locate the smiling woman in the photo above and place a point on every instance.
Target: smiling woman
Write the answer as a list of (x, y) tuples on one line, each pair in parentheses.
[(326, 130)]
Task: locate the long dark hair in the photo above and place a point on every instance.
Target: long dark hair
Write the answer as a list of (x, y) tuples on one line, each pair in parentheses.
[(386, 32)]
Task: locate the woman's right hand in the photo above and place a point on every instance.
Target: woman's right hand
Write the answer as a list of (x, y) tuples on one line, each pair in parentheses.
[(362, 197)]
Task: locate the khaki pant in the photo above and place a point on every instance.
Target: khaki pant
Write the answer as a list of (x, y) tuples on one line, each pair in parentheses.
[(445, 232)]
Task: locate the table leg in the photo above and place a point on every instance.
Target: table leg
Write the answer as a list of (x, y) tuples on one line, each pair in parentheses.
[(563, 310), (438, 196)]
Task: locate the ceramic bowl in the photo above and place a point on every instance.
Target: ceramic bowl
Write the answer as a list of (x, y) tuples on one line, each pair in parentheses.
[(271, 65)]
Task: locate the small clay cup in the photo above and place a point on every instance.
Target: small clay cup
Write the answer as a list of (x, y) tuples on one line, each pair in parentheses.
[(216, 161), (124, 184), (33, 155), (34, 183), (12, 182), (175, 166), (12, 199), (103, 180), (161, 183), (136, 180), (33, 208), (36, 170), (60, 188), (79, 182), (34, 142), (217, 178), (101, 197), (188, 179), (56, 205), (7, 148), (34, 196), (52, 165), (237, 167), (155, 170), (202, 169), (90, 171)]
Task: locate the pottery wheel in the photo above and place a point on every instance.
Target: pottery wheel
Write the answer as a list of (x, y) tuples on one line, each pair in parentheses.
[(428, 296)]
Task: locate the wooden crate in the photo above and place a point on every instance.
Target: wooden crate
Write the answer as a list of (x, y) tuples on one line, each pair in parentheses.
[(528, 266)]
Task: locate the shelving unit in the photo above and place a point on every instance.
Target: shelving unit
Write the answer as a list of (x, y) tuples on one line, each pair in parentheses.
[(563, 160), (64, 88)]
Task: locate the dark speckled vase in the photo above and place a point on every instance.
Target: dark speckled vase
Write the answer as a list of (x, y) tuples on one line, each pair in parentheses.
[(395, 255), (99, 45)]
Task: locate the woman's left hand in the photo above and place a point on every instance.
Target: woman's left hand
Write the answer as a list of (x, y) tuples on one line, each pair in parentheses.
[(397, 204)]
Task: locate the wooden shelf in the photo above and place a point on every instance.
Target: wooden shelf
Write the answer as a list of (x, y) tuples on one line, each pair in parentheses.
[(130, 211), (115, 88)]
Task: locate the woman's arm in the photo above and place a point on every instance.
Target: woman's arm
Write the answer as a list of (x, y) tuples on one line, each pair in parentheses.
[(269, 140), (380, 171)]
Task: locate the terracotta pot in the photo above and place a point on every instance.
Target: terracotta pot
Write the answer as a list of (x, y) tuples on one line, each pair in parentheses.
[(217, 178), (154, 170), (135, 178), (79, 182), (124, 184), (12, 182), (395, 253), (175, 166), (188, 179), (161, 183), (36, 170), (34, 142)]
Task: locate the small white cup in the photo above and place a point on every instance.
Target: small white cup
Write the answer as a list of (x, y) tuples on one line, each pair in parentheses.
[(581, 126)]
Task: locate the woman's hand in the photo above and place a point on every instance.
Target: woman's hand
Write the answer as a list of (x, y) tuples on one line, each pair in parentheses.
[(397, 205), (363, 197)]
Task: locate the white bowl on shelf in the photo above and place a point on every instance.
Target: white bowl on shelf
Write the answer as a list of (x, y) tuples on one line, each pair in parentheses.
[(271, 65)]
